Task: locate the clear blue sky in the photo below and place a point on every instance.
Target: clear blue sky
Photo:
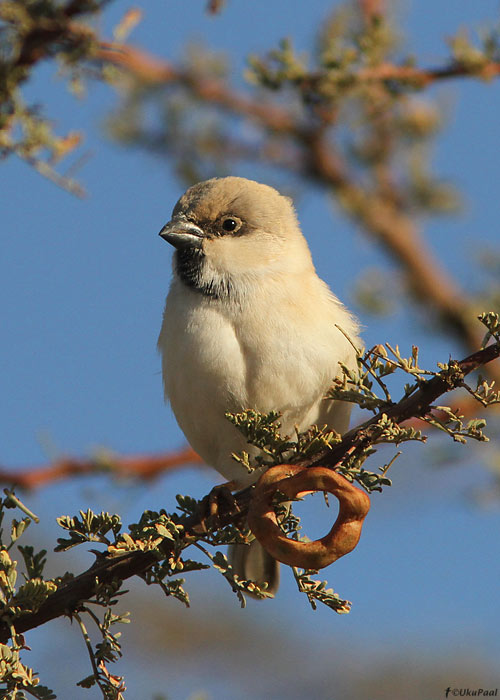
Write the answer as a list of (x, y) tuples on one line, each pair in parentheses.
[(83, 287)]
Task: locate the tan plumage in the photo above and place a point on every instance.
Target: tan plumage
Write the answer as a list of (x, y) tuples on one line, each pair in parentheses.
[(247, 323)]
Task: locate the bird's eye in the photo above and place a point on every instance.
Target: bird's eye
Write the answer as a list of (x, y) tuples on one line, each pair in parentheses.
[(229, 224)]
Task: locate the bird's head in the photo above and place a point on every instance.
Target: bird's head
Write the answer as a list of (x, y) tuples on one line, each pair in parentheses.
[(230, 230)]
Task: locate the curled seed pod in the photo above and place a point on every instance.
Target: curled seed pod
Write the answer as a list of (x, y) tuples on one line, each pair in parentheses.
[(293, 480)]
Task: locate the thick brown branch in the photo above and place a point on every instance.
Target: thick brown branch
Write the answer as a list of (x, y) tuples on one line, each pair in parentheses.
[(72, 595)]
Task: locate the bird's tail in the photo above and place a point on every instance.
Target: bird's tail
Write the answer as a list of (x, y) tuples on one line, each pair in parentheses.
[(252, 563)]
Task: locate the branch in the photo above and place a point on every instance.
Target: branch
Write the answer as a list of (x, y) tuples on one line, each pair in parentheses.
[(415, 405), (71, 595), (147, 467), (371, 8), (140, 466), (38, 43), (382, 218), (147, 67), (398, 234)]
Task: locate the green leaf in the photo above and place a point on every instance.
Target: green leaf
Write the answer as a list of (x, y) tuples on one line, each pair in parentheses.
[(34, 563)]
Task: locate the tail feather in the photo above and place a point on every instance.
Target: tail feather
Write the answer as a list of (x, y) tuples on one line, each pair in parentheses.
[(253, 563)]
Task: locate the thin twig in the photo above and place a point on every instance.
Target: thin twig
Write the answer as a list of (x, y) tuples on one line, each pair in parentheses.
[(90, 651)]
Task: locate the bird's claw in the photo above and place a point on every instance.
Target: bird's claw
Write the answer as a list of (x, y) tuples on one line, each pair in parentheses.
[(219, 501)]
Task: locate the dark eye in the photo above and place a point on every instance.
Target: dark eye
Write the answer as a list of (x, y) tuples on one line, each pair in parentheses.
[(229, 224)]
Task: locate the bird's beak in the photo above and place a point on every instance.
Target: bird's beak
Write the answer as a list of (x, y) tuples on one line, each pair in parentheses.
[(181, 233)]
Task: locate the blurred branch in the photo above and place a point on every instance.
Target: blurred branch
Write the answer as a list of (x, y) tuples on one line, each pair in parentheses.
[(53, 25), (31, 33), (215, 6), (61, 180), (138, 467), (110, 569), (398, 234), (153, 69), (371, 9), (147, 467), (382, 217), (381, 209)]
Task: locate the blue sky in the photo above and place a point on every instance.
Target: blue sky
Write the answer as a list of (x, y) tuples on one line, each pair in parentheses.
[(84, 284)]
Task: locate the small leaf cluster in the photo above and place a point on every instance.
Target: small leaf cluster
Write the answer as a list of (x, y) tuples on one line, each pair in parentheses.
[(491, 320), (381, 130), (89, 527), (17, 680), (316, 591), (452, 423), (374, 366), (282, 66), (29, 33), (153, 529), (106, 651), (476, 55), (239, 586), (263, 431)]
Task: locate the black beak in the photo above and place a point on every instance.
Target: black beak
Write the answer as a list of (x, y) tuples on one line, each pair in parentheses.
[(181, 233)]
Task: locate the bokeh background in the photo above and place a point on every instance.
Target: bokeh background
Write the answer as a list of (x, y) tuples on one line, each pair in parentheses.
[(83, 286)]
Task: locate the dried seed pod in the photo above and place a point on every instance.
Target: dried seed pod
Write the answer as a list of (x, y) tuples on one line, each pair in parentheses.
[(293, 480)]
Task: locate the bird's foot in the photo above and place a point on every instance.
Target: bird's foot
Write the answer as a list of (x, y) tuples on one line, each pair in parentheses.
[(221, 498), (219, 501)]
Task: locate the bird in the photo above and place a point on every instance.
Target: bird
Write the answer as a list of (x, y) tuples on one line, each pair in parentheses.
[(248, 324)]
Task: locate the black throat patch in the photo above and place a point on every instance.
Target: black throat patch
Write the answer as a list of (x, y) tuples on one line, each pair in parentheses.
[(190, 265)]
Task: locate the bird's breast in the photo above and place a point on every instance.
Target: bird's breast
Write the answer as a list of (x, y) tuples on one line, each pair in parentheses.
[(218, 359)]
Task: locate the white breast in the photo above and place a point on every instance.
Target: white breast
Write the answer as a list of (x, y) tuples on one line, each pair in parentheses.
[(219, 358)]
